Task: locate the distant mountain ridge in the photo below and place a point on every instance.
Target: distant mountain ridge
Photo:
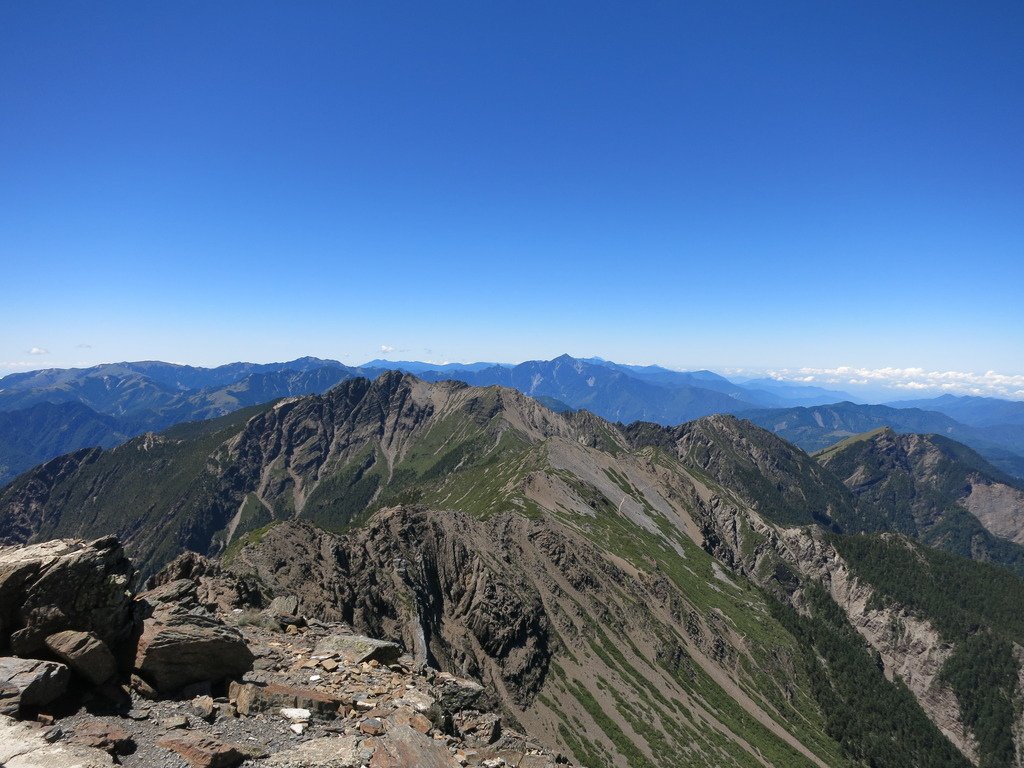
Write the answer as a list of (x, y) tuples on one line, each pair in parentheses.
[(105, 405), (128, 398), (971, 410)]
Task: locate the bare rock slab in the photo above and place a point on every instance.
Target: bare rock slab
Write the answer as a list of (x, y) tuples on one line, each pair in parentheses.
[(324, 752), (22, 746), (102, 735), (402, 746), (355, 649), (201, 751)]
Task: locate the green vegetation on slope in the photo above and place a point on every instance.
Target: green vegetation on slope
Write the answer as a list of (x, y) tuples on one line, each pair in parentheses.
[(914, 485), (877, 722), (979, 607), (983, 674), (766, 675)]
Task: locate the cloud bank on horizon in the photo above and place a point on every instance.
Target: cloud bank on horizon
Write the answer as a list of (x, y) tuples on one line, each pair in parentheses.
[(909, 381)]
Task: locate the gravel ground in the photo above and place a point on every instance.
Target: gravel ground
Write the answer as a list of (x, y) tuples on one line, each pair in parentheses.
[(265, 731)]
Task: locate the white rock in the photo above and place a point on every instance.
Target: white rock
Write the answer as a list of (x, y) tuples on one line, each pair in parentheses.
[(296, 714), (22, 746)]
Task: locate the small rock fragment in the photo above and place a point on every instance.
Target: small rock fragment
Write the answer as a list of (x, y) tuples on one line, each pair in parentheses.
[(371, 726)]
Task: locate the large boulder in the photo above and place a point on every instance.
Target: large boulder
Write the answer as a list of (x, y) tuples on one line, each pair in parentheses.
[(30, 684), (404, 746), (85, 653), (65, 584), (176, 650)]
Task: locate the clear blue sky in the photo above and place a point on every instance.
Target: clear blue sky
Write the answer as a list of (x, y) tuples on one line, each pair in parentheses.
[(709, 184)]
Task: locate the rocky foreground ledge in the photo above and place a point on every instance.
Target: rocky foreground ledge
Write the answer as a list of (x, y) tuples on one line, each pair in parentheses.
[(197, 671)]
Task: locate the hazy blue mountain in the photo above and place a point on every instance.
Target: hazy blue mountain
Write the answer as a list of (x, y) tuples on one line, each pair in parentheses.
[(974, 411), (38, 433), (255, 389), (44, 414), (818, 427), (655, 374), (154, 395), (800, 394), (604, 389), (764, 393), (133, 386)]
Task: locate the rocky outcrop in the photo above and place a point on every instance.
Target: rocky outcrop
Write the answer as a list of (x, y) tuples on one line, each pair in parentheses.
[(423, 578), (59, 585), (201, 585), (348, 699)]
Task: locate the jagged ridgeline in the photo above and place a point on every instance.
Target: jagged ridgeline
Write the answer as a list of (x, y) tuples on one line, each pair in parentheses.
[(636, 596)]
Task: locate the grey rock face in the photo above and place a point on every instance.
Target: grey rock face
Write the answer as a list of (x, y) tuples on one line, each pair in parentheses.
[(423, 577), (59, 585), (28, 683)]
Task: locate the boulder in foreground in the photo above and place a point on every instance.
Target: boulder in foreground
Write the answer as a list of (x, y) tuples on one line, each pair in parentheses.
[(29, 683), (85, 653), (66, 584), (177, 650)]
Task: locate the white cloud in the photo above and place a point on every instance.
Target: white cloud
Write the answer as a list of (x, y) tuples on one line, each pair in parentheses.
[(17, 364), (38, 351), (386, 349), (990, 383)]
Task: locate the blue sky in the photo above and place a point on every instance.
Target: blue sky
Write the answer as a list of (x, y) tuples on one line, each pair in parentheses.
[(723, 184)]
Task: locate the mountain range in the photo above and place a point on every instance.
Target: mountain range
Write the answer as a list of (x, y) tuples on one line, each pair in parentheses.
[(44, 414), (640, 595)]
